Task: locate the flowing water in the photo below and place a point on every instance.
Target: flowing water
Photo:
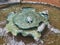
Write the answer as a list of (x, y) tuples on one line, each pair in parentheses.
[(48, 37)]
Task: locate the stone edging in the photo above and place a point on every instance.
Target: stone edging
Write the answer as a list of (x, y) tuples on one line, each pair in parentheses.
[(43, 3)]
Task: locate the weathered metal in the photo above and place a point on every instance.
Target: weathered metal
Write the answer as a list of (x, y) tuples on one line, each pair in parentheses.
[(27, 22)]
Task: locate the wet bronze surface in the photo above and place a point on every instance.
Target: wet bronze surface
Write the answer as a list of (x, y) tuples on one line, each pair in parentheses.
[(54, 18)]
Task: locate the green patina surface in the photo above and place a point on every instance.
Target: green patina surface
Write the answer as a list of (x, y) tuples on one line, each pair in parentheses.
[(54, 19), (18, 22)]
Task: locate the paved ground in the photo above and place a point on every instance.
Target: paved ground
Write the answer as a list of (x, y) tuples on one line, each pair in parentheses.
[(54, 2)]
